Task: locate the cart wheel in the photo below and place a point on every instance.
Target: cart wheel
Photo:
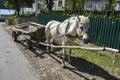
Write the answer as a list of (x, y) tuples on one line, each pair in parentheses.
[(29, 44), (14, 36)]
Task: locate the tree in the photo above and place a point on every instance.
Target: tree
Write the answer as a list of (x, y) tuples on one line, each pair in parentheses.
[(17, 4), (80, 4), (110, 6), (49, 4), (75, 5)]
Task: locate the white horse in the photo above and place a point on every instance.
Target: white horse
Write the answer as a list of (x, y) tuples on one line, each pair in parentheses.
[(66, 30)]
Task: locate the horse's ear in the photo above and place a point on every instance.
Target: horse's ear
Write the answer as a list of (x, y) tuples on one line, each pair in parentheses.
[(88, 17)]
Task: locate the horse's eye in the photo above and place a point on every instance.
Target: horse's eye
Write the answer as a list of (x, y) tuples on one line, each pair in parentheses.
[(81, 28), (73, 18)]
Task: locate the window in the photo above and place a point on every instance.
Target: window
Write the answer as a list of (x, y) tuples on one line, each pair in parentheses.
[(89, 4), (59, 3)]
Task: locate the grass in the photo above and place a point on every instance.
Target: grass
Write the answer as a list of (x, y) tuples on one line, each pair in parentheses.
[(20, 16), (106, 62), (110, 64)]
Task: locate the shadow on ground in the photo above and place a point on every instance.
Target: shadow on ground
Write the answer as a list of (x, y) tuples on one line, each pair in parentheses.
[(82, 65), (78, 64), (39, 52)]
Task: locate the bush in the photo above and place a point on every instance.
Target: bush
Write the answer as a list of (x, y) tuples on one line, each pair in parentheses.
[(21, 16)]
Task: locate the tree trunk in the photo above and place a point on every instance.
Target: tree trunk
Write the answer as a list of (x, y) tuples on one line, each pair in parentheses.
[(17, 7), (74, 6), (49, 4)]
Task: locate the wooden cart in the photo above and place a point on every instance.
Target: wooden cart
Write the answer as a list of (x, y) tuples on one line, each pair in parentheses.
[(33, 33)]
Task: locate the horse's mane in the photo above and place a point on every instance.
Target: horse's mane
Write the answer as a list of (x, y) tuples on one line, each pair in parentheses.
[(84, 19)]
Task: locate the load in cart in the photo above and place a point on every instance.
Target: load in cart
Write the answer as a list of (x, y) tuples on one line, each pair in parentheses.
[(30, 33)]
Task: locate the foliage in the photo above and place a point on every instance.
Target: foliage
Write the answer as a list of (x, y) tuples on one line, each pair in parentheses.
[(68, 5), (77, 5), (43, 7), (80, 7), (21, 16)]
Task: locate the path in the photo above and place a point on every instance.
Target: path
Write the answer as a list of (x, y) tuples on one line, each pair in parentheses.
[(13, 64)]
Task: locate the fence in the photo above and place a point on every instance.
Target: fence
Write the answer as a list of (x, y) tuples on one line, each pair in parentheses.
[(105, 32), (102, 31), (44, 18)]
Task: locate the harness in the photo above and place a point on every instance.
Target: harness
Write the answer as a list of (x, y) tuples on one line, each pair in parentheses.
[(69, 36), (48, 30)]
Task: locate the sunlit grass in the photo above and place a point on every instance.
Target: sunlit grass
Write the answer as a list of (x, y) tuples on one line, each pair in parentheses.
[(108, 63), (111, 64)]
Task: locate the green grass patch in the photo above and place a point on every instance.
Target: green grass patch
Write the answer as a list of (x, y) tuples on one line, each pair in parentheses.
[(20, 16), (109, 63)]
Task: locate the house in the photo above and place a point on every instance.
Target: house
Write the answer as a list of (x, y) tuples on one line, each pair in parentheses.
[(4, 12), (100, 5), (117, 7), (92, 5), (58, 4)]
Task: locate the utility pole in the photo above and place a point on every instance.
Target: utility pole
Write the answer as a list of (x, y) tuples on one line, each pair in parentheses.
[(36, 7), (74, 6), (63, 1)]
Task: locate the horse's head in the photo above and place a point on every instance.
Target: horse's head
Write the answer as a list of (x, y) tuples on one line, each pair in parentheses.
[(82, 26), (75, 26)]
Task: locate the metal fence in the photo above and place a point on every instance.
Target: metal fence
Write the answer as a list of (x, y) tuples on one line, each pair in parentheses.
[(102, 31), (44, 18), (105, 32)]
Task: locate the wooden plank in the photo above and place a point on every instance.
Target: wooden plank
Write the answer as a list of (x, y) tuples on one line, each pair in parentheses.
[(22, 24), (15, 29), (37, 24), (19, 26)]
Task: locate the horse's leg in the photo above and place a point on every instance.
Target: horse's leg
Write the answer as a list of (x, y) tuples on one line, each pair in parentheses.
[(64, 51), (48, 42), (69, 55), (51, 42), (64, 54)]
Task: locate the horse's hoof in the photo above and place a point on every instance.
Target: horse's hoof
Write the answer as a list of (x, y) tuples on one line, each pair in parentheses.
[(70, 62), (63, 66)]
